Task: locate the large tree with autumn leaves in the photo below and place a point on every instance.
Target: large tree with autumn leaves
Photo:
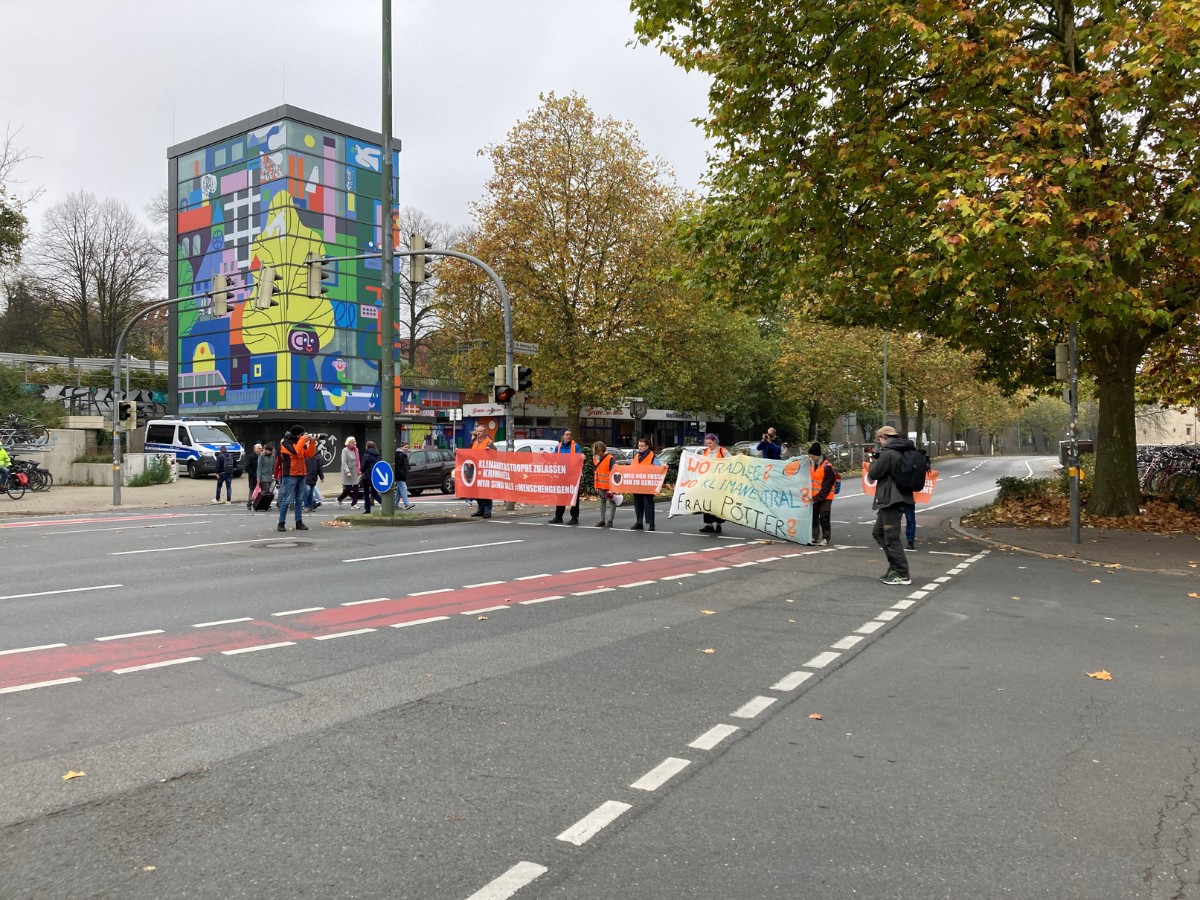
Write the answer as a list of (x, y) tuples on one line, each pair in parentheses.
[(576, 220), (986, 170)]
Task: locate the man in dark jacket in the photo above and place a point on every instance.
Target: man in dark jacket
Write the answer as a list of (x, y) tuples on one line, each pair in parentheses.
[(315, 473), (889, 502), (402, 501)]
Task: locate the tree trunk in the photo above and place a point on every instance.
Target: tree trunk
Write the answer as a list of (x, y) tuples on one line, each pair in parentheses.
[(902, 402), (920, 423), (814, 409), (1116, 491)]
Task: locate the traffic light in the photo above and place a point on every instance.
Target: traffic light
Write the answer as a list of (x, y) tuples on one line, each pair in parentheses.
[(268, 286), (417, 242), (502, 391), (127, 415), (220, 295), (523, 376), (1058, 362), (317, 273)]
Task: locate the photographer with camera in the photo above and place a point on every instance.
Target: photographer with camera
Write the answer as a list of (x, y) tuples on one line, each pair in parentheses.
[(769, 446)]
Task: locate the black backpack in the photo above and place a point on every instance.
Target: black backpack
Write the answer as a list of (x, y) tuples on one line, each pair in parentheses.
[(910, 474)]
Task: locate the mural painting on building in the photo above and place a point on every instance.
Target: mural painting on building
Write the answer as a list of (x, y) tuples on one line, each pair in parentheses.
[(269, 197)]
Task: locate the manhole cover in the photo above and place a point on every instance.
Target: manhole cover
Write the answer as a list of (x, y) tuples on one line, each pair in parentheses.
[(281, 545)]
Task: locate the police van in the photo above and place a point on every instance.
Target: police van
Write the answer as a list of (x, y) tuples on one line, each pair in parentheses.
[(194, 443)]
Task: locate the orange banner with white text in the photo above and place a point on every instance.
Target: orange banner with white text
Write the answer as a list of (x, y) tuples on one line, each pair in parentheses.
[(638, 479), (921, 496), (549, 479)]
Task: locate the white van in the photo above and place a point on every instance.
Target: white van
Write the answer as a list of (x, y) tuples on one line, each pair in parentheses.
[(194, 442), (532, 445)]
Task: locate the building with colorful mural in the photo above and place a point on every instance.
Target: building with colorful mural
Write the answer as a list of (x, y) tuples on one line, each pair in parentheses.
[(267, 192)]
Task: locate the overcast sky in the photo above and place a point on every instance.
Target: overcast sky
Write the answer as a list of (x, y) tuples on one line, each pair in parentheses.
[(100, 90)]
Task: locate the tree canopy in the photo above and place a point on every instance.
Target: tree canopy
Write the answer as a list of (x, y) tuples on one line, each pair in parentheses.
[(988, 171), (576, 221)]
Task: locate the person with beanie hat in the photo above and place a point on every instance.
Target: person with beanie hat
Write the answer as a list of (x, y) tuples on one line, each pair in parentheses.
[(821, 494)]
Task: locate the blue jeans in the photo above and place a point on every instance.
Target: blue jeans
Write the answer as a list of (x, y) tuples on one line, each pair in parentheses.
[(225, 478), (402, 493), (910, 522), (312, 496), (291, 490)]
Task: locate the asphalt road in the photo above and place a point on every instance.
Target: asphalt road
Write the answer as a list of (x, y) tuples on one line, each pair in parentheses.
[(509, 708)]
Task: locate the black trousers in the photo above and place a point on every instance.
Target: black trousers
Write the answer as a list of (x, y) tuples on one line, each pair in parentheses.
[(888, 522), (559, 510), (643, 508), (821, 510)]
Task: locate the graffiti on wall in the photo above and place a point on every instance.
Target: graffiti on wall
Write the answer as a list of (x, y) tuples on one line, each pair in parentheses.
[(91, 401), (270, 197)]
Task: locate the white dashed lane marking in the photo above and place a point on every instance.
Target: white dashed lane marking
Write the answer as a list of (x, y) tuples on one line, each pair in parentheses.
[(661, 774), (510, 882), (604, 814), (714, 736)]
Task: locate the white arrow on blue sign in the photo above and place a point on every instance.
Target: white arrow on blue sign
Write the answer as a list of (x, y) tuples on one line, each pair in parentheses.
[(382, 476)]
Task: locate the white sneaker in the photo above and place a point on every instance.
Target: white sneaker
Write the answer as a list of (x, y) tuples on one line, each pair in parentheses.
[(216, 501)]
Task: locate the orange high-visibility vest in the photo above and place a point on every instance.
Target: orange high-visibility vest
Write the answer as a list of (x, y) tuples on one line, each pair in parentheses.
[(603, 474), (818, 479)]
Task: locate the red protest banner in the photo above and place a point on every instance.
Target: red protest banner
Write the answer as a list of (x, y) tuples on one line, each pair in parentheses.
[(922, 496), (549, 479), (638, 479)]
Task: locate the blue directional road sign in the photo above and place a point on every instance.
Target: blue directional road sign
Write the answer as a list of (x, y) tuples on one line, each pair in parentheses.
[(382, 476)]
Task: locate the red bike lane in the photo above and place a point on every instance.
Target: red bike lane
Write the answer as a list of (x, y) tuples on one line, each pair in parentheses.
[(22, 669)]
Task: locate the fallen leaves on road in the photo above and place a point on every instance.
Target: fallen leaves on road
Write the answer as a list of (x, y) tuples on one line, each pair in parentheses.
[(708, 650), (817, 716), (73, 774), (1102, 675), (1194, 595), (481, 618), (709, 612), (1096, 581)]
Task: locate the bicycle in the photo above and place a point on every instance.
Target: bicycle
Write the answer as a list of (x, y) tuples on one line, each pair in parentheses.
[(14, 486), (14, 431), (39, 479)]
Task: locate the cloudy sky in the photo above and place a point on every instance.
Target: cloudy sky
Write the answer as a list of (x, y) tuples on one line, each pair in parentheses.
[(100, 90)]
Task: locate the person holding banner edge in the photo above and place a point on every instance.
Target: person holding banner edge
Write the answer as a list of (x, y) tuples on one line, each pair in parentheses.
[(889, 502), (821, 494), (566, 445), (643, 504), (713, 450)]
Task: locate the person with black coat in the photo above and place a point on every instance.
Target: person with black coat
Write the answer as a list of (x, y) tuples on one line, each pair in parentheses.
[(402, 500), (370, 456), (315, 473), (252, 473), (889, 502)]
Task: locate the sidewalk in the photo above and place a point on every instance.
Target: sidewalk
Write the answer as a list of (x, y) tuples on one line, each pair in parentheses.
[(1177, 554), (197, 494)]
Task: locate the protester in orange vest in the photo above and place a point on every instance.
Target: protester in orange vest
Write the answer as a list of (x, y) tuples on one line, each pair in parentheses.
[(481, 441), (821, 493), (602, 480), (643, 504), (714, 450), (566, 445)]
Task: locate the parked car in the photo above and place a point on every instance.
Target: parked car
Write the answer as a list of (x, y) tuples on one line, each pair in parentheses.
[(428, 468), (745, 448)]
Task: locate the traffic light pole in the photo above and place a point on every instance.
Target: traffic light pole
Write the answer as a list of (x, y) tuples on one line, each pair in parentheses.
[(1073, 436), (116, 435), (387, 332)]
